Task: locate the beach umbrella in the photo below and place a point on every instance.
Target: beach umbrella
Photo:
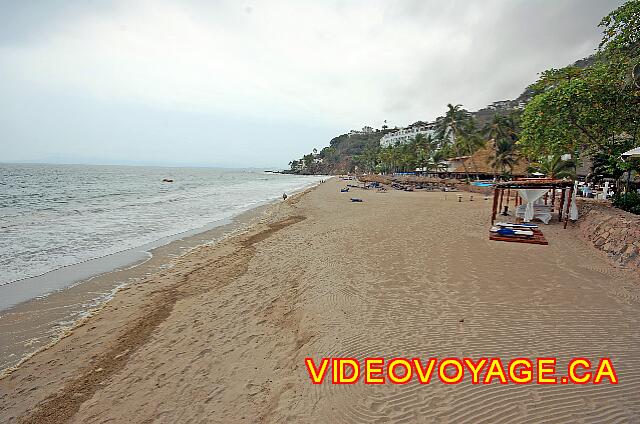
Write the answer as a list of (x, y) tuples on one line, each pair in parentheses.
[(633, 153)]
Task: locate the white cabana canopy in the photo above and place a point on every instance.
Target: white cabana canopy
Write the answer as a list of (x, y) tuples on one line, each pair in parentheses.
[(531, 190), (633, 153)]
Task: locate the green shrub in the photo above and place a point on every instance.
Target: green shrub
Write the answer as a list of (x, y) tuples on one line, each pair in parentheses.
[(629, 202)]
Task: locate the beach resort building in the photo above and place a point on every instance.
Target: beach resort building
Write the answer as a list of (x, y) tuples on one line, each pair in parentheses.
[(518, 104), (404, 135), (500, 104), (365, 130)]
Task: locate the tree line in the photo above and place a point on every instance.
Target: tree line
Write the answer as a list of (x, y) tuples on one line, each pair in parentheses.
[(588, 111), (456, 134)]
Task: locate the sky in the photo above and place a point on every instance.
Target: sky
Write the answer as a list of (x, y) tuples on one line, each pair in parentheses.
[(237, 83)]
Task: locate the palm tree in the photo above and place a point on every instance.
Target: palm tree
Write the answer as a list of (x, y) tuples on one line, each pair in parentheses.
[(396, 157), (501, 127), (471, 143), (420, 140), (505, 156), (502, 131), (452, 127), (369, 158), (493, 130), (386, 159), (554, 167), (436, 162), (424, 146)]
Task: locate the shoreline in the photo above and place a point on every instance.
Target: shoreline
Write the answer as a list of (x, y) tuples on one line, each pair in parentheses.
[(25, 289), (222, 335), (41, 320)]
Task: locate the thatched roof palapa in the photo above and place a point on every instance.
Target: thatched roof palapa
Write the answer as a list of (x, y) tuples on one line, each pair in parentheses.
[(480, 163)]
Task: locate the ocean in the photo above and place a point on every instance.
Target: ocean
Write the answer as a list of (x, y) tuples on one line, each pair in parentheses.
[(58, 216)]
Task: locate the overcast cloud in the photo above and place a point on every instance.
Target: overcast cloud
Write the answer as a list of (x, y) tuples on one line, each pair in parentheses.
[(235, 83)]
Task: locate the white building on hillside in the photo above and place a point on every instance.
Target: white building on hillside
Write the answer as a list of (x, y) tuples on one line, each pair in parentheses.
[(365, 130), (500, 104), (404, 135)]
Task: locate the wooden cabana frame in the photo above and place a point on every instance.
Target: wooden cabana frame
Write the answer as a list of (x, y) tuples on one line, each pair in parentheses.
[(537, 184)]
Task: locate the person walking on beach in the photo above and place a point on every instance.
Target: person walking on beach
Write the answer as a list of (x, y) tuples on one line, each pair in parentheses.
[(284, 196)]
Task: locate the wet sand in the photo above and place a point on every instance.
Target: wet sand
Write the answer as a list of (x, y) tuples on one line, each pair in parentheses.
[(221, 336), (33, 324)]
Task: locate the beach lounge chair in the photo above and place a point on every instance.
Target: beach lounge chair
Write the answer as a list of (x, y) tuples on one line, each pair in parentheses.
[(530, 235), (505, 231), (355, 199), (541, 212), (512, 225)]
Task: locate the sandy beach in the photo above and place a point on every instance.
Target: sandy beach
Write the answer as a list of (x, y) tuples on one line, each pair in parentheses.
[(33, 324), (222, 335)]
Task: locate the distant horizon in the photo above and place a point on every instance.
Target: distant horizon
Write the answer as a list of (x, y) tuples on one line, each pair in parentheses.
[(141, 164)]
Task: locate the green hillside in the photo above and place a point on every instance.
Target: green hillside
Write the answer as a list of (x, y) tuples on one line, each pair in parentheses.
[(346, 152), (340, 157)]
